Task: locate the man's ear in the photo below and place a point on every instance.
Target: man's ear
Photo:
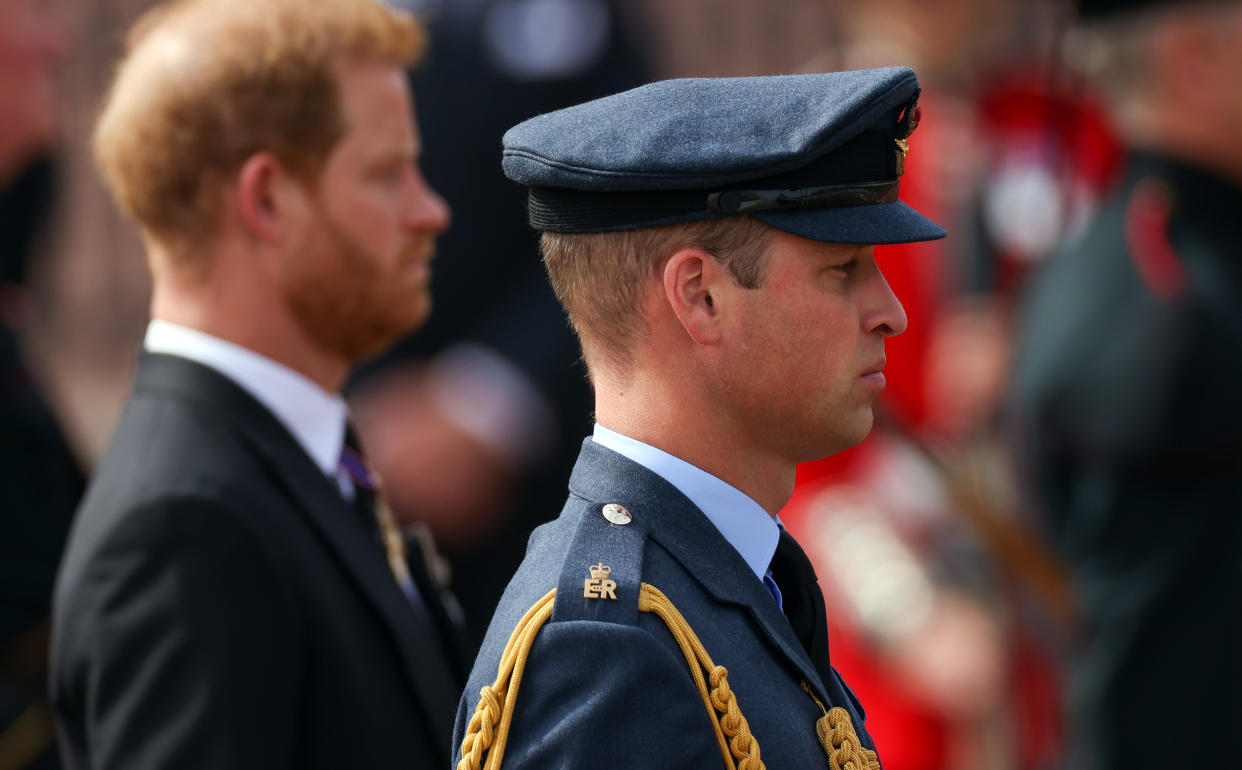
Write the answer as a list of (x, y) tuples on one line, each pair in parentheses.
[(265, 192), (690, 275)]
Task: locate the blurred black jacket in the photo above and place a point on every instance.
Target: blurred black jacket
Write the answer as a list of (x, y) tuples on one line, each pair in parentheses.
[(1128, 391), (40, 485)]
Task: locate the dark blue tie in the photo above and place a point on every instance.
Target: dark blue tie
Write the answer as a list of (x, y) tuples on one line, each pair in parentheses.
[(802, 601)]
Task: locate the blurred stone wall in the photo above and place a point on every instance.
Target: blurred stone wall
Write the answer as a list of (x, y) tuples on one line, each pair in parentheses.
[(693, 38), (91, 289)]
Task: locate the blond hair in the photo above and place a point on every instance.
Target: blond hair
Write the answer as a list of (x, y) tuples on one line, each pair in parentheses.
[(205, 84), (600, 278)]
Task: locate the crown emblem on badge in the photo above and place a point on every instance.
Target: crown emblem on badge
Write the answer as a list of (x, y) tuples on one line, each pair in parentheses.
[(598, 586)]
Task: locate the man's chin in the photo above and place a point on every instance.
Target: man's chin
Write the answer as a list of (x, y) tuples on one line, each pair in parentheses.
[(383, 338), (421, 312), (843, 437), (866, 422)]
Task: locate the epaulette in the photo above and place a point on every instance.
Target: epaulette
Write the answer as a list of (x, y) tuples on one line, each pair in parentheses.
[(601, 576), (601, 580)]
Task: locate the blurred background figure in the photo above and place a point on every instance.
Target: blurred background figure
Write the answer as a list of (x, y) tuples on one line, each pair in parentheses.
[(40, 479), (1126, 396), (947, 614), (475, 421)]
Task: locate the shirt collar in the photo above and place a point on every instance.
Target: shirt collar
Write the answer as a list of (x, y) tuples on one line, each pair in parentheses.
[(315, 417), (743, 522)]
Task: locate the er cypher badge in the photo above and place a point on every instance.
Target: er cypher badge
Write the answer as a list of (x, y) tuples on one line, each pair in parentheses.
[(598, 586)]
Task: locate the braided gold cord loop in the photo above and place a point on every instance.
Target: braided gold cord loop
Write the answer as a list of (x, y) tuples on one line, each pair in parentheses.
[(840, 741), (845, 751), (741, 742), (489, 725), (479, 734), (732, 731)]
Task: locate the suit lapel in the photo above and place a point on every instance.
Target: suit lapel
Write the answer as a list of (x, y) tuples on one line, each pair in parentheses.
[(680, 527), (364, 561), (322, 505)]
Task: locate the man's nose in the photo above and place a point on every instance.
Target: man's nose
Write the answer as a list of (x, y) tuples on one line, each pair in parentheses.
[(884, 313), (428, 211)]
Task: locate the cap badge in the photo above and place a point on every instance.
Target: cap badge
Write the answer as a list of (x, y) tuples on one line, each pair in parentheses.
[(909, 120), (616, 514), (598, 586)]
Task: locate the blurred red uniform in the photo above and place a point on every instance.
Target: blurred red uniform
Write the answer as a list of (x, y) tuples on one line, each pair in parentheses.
[(1009, 175)]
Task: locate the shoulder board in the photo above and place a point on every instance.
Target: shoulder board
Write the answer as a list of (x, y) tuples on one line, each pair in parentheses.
[(602, 570)]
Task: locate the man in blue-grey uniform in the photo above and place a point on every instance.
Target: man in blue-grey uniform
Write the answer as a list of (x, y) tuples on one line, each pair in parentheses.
[(711, 241)]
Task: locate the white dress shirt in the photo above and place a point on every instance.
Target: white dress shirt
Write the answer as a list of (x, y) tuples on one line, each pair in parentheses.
[(743, 522), (315, 417)]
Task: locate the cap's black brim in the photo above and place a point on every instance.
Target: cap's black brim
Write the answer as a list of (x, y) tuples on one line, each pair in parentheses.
[(881, 223)]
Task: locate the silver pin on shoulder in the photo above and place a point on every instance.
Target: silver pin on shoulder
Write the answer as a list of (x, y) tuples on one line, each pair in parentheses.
[(616, 514)]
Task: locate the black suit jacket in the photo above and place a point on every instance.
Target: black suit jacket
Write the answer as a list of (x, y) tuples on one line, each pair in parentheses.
[(221, 606), (40, 485)]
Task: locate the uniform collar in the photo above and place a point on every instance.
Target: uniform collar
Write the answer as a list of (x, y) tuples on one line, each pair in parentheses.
[(315, 417), (739, 519)]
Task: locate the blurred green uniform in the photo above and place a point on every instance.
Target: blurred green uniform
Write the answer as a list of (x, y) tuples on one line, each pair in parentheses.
[(1129, 404)]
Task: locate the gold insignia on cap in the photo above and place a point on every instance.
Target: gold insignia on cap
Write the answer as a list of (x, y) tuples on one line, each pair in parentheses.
[(598, 586), (903, 147), (906, 124)]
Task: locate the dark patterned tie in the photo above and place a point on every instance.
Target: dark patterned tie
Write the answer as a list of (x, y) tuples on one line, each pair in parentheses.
[(434, 607), (802, 600), (376, 514)]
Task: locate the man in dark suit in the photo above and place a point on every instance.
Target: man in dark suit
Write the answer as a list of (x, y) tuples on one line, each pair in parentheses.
[(231, 595), (711, 241), (1126, 394)]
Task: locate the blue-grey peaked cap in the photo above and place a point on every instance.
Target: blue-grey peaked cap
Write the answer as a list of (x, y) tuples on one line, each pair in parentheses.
[(815, 155)]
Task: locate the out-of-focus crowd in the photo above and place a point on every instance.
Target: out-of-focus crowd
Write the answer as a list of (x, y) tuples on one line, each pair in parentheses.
[(1033, 557)]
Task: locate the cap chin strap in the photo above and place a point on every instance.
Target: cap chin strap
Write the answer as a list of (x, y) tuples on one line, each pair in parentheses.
[(558, 210), (827, 196)]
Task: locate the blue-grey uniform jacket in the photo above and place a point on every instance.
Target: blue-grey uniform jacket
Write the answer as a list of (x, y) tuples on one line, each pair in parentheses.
[(605, 685)]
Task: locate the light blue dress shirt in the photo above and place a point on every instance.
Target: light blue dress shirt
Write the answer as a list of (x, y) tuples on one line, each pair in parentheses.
[(743, 523)]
